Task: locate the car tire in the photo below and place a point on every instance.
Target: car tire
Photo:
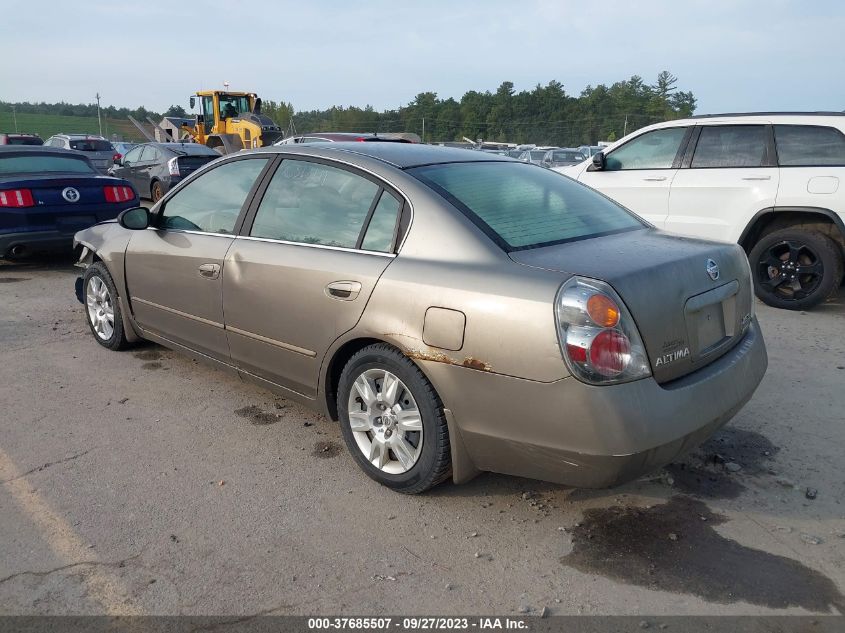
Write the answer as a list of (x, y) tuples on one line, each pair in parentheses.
[(102, 307), (156, 191), (390, 450), (796, 268)]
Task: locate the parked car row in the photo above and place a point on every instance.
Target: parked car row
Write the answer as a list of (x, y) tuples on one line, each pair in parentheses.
[(774, 183)]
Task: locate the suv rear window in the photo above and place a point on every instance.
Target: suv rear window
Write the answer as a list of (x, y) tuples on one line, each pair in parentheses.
[(809, 145), (523, 206), (43, 163), (23, 140), (92, 145)]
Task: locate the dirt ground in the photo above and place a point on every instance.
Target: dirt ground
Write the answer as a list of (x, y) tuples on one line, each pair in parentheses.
[(143, 483)]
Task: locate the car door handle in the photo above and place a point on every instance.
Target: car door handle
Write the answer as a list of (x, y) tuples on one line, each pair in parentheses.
[(756, 177), (655, 179), (343, 290), (210, 271)]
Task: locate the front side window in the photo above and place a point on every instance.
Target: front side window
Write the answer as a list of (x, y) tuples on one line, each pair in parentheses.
[(520, 206), (213, 201), (312, 203), (809, 145), (731, 146), (653, 150)]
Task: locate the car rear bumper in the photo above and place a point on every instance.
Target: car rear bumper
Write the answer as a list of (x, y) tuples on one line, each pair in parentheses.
[(28, 241), (589, 436)]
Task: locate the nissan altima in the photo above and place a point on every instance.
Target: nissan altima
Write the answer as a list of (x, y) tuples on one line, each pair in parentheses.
[(455, 311)]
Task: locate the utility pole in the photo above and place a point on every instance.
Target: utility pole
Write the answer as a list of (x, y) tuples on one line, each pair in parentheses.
[(423, 131), (15, 117), (99, 120), (625, 128)]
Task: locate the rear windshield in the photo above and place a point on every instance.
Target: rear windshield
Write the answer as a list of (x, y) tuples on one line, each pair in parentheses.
[(44, 163), (573, 156), (523, 206), (92, 145), (23, 140), (195, 161)]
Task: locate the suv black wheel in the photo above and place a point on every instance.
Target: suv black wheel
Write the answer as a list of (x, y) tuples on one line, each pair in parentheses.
[(795, 268)]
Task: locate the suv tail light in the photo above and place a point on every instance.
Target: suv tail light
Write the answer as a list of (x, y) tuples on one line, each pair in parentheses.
[(16, 198), (117, 156), (173, 166), (118, 194), (598, 337)]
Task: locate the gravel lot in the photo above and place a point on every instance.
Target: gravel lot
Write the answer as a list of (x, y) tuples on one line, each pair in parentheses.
[(143, 483)]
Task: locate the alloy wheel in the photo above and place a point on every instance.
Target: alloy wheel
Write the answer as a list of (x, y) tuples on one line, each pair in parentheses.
[(790, 269), (100, 309), (385, 421)]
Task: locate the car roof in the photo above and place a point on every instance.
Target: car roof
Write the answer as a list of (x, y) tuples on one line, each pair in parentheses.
[(40, 149), (401, 155), (184, 148)]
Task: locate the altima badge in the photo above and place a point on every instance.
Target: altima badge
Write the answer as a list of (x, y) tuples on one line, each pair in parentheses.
[(70, 194), (712, 269)]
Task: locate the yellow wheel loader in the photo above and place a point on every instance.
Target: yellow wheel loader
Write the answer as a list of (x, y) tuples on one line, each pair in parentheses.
[(231, 121)]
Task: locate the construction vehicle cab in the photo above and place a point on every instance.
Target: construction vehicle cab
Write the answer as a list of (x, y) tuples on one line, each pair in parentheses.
[(231, 121)]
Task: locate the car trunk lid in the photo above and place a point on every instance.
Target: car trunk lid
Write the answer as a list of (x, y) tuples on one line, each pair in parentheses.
[(66, 204), (686, 317)]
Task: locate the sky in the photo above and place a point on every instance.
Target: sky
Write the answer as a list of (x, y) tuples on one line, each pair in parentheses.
[(734, 55)]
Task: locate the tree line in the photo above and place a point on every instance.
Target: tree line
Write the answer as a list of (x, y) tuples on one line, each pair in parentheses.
[(544, 115)]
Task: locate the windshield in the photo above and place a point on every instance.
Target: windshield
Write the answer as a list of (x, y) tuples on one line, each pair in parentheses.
[(538, 155), (231, 106), (521, 206), (44, 163), (92, 145)]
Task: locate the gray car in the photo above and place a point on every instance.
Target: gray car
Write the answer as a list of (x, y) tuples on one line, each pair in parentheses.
[(456, 311), (97, 149)]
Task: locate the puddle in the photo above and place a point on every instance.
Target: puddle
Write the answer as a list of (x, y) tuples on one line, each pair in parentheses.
[(674, 547), (151, 366), (258, 416), (148, 354), (12, 280), (704, 473), (325, 450)]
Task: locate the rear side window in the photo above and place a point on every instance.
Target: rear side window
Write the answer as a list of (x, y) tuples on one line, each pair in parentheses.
[(40, 164), (809, 145), (312, 203), (523, 206), (731, 146), (213, 201), (92, 145), (382, 226), (653, 150)]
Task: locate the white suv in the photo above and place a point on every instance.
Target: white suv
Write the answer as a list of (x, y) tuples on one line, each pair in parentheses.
[(770, 181)]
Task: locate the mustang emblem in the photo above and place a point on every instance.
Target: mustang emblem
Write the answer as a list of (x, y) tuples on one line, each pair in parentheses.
[(712, 269), (70, 194)]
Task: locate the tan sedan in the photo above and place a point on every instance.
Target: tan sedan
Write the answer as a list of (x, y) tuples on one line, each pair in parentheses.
[(455, 311)]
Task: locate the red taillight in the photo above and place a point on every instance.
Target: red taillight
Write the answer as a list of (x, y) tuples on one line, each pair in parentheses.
[(16, 198), (118, 194), (117, 156), (610, 353)]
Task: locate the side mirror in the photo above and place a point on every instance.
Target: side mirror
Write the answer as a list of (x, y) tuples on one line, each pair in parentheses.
[(135, 219), (599, 161), (118, 160), (193, 103)]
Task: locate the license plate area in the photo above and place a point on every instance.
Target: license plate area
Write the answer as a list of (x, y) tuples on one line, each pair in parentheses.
[(74, 223), (711, 319)]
